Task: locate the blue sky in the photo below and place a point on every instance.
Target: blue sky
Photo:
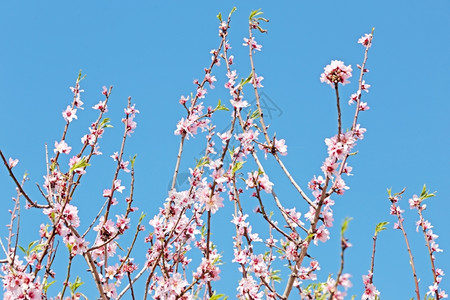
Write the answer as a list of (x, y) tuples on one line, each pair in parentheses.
[(152, 51)]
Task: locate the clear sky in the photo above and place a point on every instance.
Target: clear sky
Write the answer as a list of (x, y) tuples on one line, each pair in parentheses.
[(152, 51)]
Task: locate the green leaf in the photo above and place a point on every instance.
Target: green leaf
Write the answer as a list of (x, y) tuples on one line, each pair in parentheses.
[(201, 162), (22, 248), (380, 227), (47, 285), (104, 124), (81, 164), (237, 166), (274, 276), (215, 297), (74, 286), (36, 248), (389, 192), (30, 246), (231, 152), (244, 82), (345, 225), (255, 13), (219, 16), (133, 160), (141, 217), (426, 194), (220, 107), (232, 11), (255, 114), (79, 76)]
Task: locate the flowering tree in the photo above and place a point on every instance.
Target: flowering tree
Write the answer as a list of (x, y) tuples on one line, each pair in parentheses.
[(182, 260)]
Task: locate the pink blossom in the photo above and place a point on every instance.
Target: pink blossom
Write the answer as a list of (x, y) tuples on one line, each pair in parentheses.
[(370, 292), (201, 92), (281, 147), (223, 26), (366, 40), (224, 136), (212, 203), (117, 186), (329, 167), (322, 234), (256, 81), (131, 110), (210, 79), (70, 215), (101, 106), (365, 86), (110, 290), (208, 271), (336, 72), (115, 156), (104, 91), (12, 162), (265, 183), (107, 193), (124, 166), (344, 280), (238, 103), (252, 43), (130, 123), (62, 147), (414, 202), (73, 161), (363, 106), (122, 223), (354, 98), (69, 114), (359, 132), (315, 183), (230, 59), (183, 100)]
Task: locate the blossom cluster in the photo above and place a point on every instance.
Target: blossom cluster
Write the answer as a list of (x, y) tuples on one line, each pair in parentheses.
[(182, 260)]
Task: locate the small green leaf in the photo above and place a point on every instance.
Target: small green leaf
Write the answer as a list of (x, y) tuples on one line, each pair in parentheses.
[(36, 248), (22, 248), (426, 194), (237, 166), (345, 225), (255, 13), (79, 76), (244, 82), (424, 191), (380, 227), (133, 160), (216, 297), (389, 192), (142, 217), (232, 11), (30, 246), (80, 164), (47, 285), (220, 106), (104, 123), (201, 162), (219, 16), (255, 114), (74, 286)]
